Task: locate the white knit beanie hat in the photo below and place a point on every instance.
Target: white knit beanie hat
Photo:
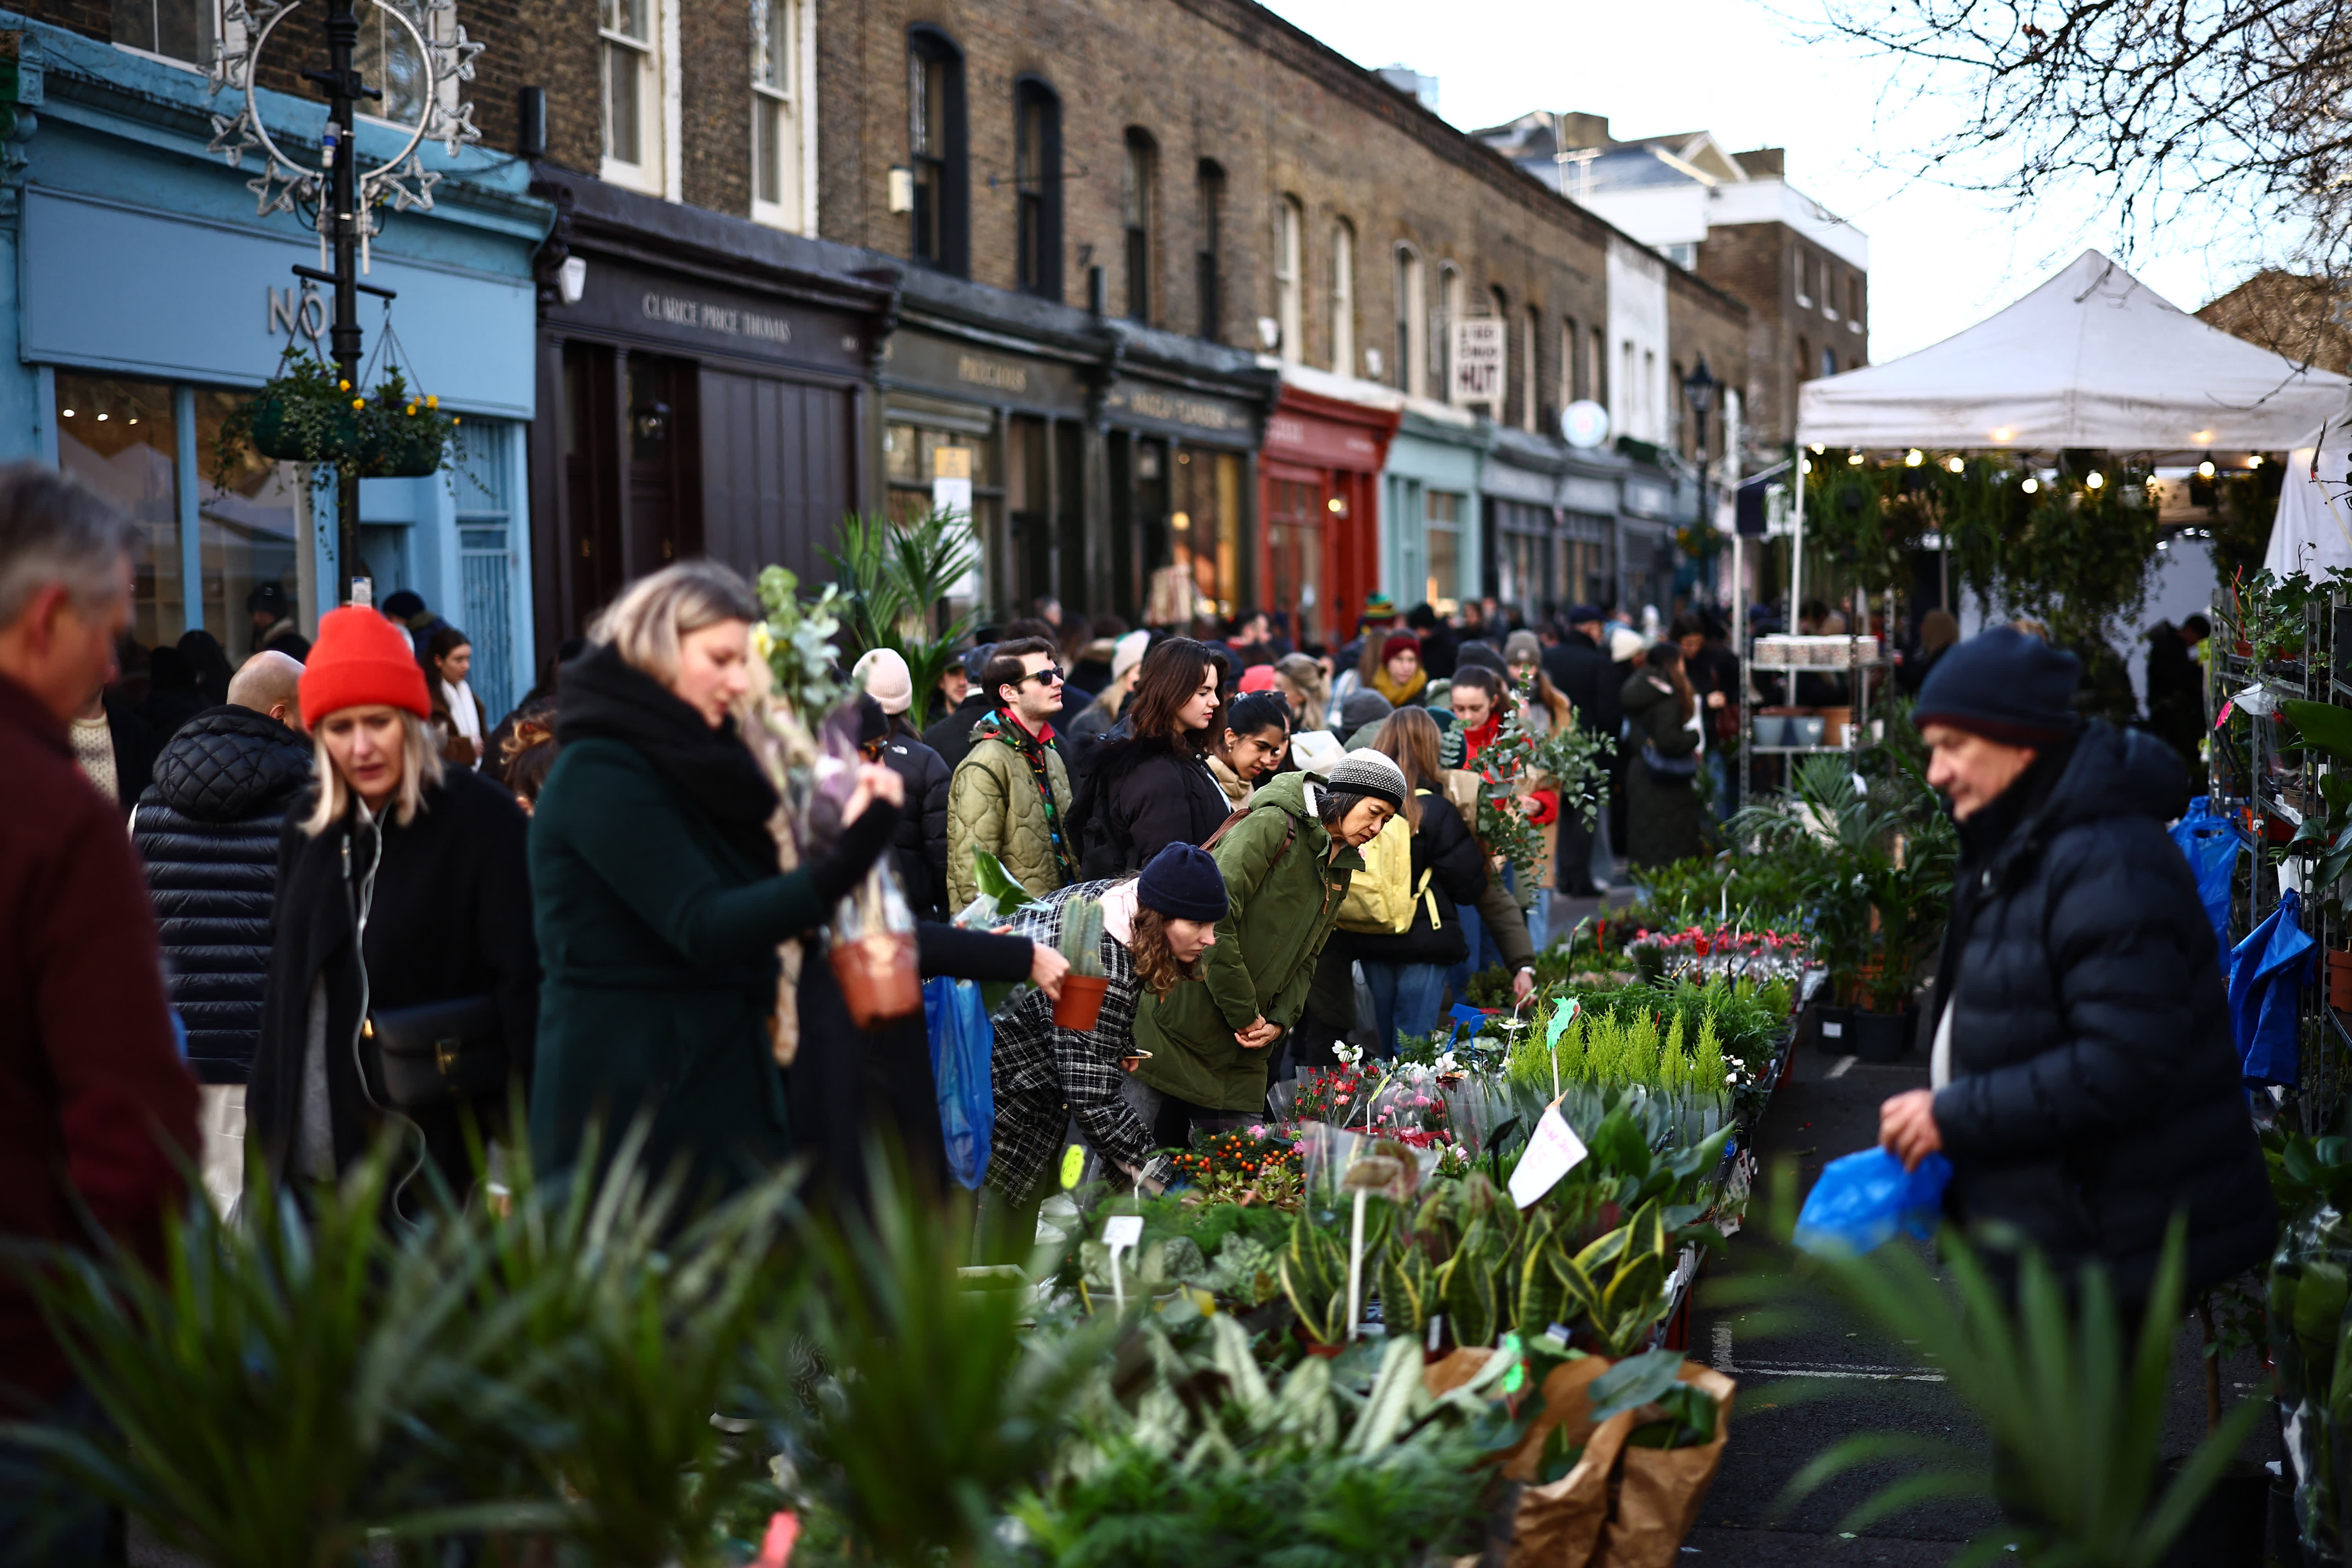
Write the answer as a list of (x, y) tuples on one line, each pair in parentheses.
[(884, 676)]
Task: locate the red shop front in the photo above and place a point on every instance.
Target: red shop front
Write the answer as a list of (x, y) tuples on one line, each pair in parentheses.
[(1318, 502)]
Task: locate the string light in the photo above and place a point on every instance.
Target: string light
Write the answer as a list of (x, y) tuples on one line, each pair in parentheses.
[(2094, 479), (2032, 485), (1955, 463), (1914, 457), (1807, 466), (2205, 469), (1853, 459)]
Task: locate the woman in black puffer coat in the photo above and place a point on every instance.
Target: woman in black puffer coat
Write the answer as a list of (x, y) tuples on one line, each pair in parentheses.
[(2086, 1082), (1153, 787), (1406, 970)]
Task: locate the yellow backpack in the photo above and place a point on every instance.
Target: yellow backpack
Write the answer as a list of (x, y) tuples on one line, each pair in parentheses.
[(1380, 897)]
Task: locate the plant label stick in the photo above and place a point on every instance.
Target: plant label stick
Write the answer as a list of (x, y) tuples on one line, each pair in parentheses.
[(1356, 1263), (1560, 1019), (1553, 1150), (1121, 1232)]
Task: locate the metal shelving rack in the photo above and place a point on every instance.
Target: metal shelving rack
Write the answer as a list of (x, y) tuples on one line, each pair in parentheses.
[(2263, 797), (1862, 675)]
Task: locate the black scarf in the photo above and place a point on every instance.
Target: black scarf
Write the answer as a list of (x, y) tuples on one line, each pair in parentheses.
[(1982, 838), (602, 695)]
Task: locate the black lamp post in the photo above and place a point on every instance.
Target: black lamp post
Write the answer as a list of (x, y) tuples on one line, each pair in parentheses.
[(1699, 388), (344, 86)]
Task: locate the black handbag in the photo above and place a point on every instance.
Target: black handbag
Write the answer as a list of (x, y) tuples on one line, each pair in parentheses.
[(433, 1053), (1671, 770)]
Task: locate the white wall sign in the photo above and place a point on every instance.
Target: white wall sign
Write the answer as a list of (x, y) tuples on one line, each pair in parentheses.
[(1479, 357)]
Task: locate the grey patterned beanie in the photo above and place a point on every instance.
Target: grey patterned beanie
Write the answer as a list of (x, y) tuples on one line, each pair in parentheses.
[(1369, 773)]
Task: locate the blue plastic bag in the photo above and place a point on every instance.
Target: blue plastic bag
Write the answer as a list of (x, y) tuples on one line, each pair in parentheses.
[(962, 1041), (2210, 844), (2266, 975), (1861, 1198)]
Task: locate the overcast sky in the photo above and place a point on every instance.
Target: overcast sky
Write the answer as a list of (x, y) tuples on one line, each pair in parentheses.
[(1940, 258)]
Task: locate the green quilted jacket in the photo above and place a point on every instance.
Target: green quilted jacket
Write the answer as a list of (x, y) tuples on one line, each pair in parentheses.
[(1281, 906), (993, 804)]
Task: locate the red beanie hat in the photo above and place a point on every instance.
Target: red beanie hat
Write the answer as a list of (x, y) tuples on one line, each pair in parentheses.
[(1399, 642), (362, 660), (1256, 677)]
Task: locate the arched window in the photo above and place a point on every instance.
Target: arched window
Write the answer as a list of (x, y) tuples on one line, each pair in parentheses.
[(1208, 275), (1530, 394), (1289, 262), (1343, 297), (936, 153), (1412, 369), (1139, 201), (1440, 331), (1038, 187)]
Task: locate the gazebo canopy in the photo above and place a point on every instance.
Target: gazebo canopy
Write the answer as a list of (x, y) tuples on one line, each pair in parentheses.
[(2092, 358)]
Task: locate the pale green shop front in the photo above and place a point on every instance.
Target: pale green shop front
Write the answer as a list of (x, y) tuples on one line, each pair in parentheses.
[(1429, 521)]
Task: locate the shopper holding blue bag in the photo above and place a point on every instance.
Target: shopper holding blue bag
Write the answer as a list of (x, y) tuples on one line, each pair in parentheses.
[(2084, 1084)]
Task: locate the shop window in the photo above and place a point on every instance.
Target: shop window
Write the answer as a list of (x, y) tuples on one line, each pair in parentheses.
[(1442, 541), (1207, 277), (481, 455), (1138, 198), (1206, 526), (776, 172), (1289, 259), (122, 439), (183, 30), (936, 152), (629, 36), (1411, 326), (1038, 187), (248, 524), (1343, 297)]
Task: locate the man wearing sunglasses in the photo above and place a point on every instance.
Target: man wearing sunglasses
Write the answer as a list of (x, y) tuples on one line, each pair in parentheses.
[(1011, 794)]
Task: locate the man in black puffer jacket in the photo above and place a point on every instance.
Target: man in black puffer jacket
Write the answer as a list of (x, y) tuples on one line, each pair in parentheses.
[(2085, 1085), (208, 829)]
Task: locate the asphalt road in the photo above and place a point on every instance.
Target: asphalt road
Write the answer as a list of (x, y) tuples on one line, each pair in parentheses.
[(1831, 1374)]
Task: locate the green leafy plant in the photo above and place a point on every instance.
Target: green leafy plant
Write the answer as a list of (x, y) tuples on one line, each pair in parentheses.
[(797, 639), (306, 412), (900, 573), (2076, 1404)]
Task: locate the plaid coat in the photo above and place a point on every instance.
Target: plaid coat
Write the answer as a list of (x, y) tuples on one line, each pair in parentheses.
[(1045, 1075)]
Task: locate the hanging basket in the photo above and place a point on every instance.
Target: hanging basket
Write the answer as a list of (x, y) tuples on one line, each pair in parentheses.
[(403, 447), (275, 434)]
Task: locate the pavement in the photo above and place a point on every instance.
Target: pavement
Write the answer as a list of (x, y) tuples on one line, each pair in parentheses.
[(1832, 1375)]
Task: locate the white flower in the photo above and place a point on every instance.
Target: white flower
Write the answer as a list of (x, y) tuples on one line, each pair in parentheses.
[(1350, 1055), (1445, 1065)]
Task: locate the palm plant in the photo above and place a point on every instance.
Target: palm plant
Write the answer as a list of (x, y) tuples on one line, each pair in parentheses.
[(2056, 1375), (900, 574), (289, 1385)]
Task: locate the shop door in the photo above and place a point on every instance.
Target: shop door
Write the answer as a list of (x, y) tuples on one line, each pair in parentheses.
[(779, 471), (1295, 549), (1352, 555), (594, 563), (664, 502)]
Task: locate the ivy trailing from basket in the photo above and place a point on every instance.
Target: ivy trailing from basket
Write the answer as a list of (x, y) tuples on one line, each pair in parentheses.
[(308, 413)]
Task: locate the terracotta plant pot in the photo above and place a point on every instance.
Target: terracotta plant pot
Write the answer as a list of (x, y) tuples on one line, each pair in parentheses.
[(1080, 1002), (1834, 721), (879, 975), (2339, 979)]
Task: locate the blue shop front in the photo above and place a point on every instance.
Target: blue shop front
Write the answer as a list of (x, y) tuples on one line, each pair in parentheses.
[(150, 297)]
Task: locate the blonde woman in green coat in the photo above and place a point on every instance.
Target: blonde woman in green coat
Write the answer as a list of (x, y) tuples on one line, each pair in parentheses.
[(1286, 866)]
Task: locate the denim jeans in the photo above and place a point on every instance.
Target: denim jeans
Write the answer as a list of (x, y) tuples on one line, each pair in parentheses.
[(1404, 999)]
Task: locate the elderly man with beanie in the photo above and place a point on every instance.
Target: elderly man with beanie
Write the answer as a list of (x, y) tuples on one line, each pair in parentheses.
[(207, 830), (950, 737), (921, 846), (98, 1115), (402, 931), (1286, 866), (1155, 927), (2084, 1082)]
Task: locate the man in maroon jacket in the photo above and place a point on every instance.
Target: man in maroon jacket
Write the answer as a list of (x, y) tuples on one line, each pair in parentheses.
[(95, 1107)]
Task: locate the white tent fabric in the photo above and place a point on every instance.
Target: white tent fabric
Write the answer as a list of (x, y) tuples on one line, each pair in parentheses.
[(2313, 528), (2092, 358)]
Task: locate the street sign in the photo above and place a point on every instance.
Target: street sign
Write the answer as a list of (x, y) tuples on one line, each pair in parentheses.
[(1479, 351)]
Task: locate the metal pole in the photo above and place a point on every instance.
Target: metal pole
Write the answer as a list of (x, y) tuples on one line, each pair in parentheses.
[(342, 85), (1796, 539)]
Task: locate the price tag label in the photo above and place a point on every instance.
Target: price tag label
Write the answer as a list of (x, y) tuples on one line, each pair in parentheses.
[(1122, 1231), (1553, 1150)]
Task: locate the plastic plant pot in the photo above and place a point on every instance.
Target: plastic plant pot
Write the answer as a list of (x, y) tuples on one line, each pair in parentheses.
[(1805, 730), (1081, 1001), (1771, 730), (880, 977)]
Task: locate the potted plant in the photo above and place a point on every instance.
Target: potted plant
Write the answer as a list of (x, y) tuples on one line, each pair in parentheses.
[(1082, 988), (306, 412)]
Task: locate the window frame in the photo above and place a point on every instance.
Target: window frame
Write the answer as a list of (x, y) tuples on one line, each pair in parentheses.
[(1037, 192), (438, 28), (1289, 279), (1443, 312), (1531, 370), (214, 11), (654, 170), (1343, 297), (951, 164), (1139, 218), (788, 107), (1208, 265)]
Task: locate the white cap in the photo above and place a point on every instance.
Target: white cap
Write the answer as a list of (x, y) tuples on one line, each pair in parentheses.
[(1316, 751), (884, 676), (1128, 652), (1625, 645)]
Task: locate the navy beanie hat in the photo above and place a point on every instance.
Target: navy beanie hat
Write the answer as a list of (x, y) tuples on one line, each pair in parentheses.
[(2006, 685), (1182, 882)]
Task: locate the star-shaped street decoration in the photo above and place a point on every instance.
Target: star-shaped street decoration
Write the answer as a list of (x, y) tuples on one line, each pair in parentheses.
[(459, 54), (232, 138), (395, 182), (277, 192), (455, 130)]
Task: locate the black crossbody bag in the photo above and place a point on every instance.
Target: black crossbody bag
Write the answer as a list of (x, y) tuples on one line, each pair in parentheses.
[(434, 1053)]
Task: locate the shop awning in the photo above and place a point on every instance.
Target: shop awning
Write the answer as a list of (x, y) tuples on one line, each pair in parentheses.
[(2092, 358)]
